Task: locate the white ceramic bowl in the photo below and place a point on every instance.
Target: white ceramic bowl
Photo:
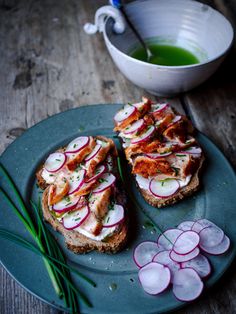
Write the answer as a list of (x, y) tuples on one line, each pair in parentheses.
[(185, 23)]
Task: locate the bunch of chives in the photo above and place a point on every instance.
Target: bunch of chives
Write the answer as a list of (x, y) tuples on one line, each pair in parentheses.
[(46, 246)]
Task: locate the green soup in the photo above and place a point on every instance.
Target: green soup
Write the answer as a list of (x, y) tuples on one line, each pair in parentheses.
[(166, 55)]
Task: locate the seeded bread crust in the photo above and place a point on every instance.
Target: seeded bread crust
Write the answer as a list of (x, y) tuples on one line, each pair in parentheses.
[(185, 191), (77, 242)]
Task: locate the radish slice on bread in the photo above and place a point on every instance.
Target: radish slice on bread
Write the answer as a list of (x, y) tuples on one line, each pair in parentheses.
[(66, 204), (135, 127), (98, 172), (154, 278), (105, 181), (187, 285), (159, 107), (55, 162), (93, 152), (156, 155), (114, 216), (124, 113), (75, 218), (165, 188), (77, 144), (144, 136), (191, 150), (76, 179)]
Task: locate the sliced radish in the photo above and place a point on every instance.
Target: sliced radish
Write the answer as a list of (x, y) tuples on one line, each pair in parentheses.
[(144, 136), (74, 219), (106, 180), (77, 144), (211, 236), (186, 242), (165, 188), (159, 107), (93, 152), (200, 264), (192, 150), (186, 225), (145, 251), (184, 258), (176, 119), (154, 278), (124, 113), (114, 216), (163, 258), (98, 172), (156, 155), (187, 285), (201, 224), (142, 182), (66, 204), (76, 180), (134, 127), (55, 162), (218, 249), (168, 238)]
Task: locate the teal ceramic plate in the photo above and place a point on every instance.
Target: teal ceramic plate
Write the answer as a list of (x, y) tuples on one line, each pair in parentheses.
[(215, 201)]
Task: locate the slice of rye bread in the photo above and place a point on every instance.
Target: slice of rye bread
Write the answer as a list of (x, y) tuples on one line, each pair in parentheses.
[(183, 192), (77, 242)]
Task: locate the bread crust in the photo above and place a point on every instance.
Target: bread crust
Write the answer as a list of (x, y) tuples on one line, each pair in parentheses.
[(75, 241)]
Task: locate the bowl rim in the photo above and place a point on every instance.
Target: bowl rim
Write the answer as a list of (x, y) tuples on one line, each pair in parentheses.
[(175, 67)]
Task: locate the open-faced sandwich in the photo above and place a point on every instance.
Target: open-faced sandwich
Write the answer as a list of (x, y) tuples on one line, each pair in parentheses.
[(164, 156), (83, 198)]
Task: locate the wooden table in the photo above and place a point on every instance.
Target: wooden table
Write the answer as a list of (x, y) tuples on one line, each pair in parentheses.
[(48, 64)]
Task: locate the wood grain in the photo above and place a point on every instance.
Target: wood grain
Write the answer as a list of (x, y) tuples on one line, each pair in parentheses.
[(48, 65)]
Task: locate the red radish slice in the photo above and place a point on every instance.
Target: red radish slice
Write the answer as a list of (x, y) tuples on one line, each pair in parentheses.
[(76, 218), (156, 155), (134, 127), (145, 251), (142, 182), (187, 285), (211, 236), (200, 264), (77, 144), (106, 180), (186, 225), (201, 224), (154, 278), (219, 249), (184, 258), (76, 179), (159, 107), (165, 188), (55, 162), (186, 242), (124, 113), (192, 150), (163, 258), (93, 152), (98, 172), (197, 227), (114, 216), (66, 204), (168, 238), (176, 119), (144, 136)]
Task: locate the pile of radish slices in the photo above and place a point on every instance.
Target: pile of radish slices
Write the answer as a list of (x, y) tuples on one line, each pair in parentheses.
[(176, 258)]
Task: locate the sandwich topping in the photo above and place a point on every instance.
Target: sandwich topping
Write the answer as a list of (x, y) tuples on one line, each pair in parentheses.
[(159, 145), (82, 193)]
